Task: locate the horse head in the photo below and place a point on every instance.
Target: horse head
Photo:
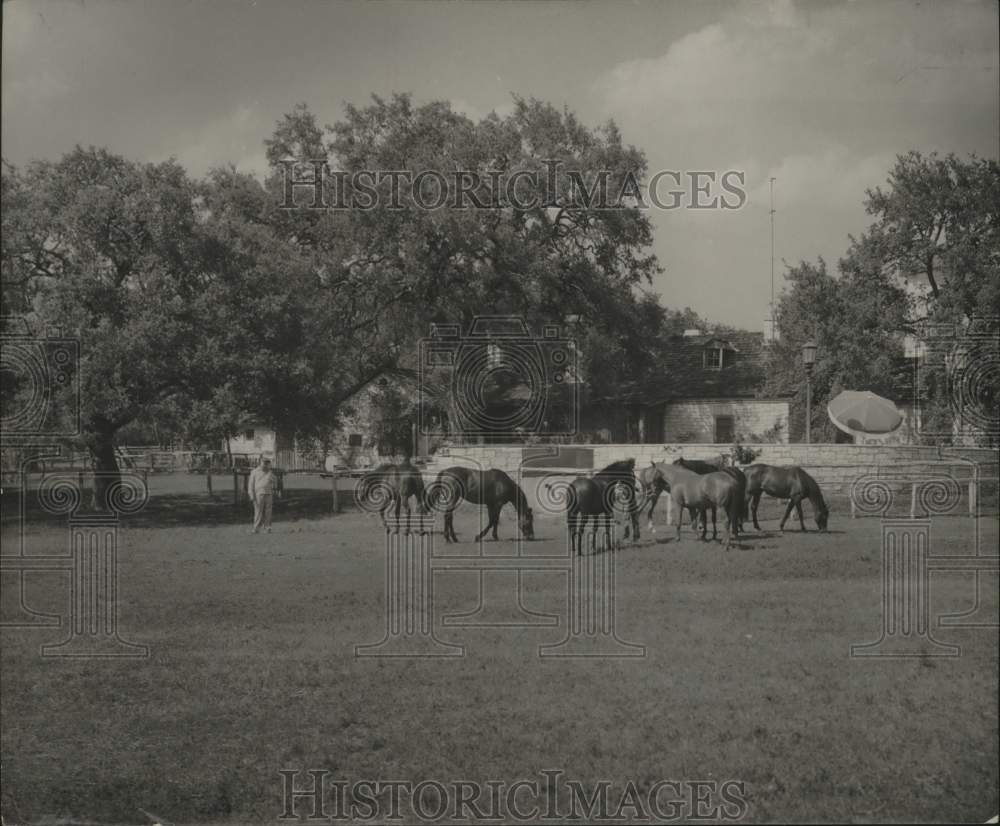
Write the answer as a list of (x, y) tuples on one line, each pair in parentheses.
[(822, 517)]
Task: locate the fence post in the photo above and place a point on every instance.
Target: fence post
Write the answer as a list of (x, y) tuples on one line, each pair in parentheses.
[(208, 478), (333, 485), (236, 488)]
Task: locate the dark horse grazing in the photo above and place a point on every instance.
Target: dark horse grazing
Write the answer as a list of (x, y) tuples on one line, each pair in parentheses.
[(389, 485), (596, 497), (492, 488), (702, 468), (791, 483)]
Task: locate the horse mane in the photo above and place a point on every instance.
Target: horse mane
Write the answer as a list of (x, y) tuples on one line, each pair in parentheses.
[(617, 469), (813, 493)]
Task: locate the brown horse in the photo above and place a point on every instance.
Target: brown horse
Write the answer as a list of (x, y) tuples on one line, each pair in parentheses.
[(652, 485), (791, 483), (706, 492), (492, 488), (392, 485), (702, 468)]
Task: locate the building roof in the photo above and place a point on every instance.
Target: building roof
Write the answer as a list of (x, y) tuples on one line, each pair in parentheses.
[(682, 373)]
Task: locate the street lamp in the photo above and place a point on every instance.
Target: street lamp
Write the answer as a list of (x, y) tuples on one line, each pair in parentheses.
[(808, 360)]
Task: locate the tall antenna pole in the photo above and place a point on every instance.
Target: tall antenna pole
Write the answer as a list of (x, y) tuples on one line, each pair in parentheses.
[(773, 320)]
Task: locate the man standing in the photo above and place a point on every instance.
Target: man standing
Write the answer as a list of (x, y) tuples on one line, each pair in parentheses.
[(260, 487)]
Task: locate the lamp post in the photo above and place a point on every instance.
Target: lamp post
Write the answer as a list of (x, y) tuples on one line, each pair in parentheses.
[(808, 360)]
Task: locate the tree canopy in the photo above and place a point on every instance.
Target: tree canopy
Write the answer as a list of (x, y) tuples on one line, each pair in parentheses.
[(208, 302), (930, 261)]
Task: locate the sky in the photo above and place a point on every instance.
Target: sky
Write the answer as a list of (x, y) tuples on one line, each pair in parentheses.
[(819, 95)]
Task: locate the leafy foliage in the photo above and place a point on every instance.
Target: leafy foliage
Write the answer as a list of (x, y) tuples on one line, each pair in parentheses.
[(932, 255)]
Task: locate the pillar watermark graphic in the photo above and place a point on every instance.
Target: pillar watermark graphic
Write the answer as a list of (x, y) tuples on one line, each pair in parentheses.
[(500, 588), (90, 616), (588, 563), (589, 619), (908, 628)]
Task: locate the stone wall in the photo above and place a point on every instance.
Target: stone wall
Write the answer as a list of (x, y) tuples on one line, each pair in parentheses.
[(834, 466)]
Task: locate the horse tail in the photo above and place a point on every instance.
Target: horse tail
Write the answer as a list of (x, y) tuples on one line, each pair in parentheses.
[(731, 502)]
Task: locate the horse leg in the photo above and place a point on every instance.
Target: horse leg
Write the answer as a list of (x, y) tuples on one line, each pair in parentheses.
[(755, 503), (489, 524), (449, 526), (715, 529), (494, 512), (652, 504), (798, 510), (788, 511)]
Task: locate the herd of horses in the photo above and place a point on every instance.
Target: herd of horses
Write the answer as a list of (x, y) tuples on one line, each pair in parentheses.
[(700, 488)]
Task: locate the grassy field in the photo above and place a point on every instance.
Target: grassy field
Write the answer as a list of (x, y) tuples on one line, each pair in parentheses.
[(747, 676)]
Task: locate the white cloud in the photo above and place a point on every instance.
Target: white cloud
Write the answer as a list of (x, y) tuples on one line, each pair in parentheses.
[(777, 52), (477, 113), (828, 176), (234, 137)]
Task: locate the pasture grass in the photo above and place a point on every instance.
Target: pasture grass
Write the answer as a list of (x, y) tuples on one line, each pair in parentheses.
[(252, 670)]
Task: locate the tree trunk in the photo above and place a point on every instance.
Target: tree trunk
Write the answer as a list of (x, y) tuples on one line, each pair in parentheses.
[(106, 470)]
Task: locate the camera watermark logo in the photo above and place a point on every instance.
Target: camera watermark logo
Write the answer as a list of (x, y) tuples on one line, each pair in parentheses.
[(498, 380), (908, 561), (41, 382), (962, 362), (91, 560), (588, 565)]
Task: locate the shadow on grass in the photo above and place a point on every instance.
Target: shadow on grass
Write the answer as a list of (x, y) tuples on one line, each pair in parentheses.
[(193, 510)]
